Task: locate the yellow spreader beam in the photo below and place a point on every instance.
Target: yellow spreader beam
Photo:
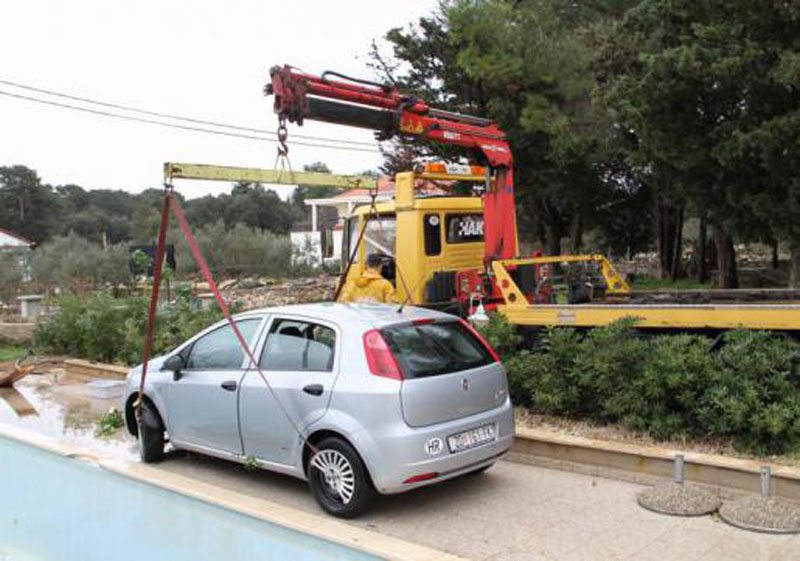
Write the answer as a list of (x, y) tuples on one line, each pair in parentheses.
[(177, 170)]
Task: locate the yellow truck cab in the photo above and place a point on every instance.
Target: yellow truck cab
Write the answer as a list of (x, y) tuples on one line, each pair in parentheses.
[(438, 237)]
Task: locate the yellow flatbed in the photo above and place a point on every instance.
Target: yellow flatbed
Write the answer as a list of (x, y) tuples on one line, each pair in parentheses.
[(662, 316)]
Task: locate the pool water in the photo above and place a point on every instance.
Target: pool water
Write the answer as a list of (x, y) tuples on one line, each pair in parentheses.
[(57, 508)]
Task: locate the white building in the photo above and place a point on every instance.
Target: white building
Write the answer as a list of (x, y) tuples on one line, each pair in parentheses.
[(9, 240), (325, 244)]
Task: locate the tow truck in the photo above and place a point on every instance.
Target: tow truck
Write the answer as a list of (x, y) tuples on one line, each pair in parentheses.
[(456, 249)]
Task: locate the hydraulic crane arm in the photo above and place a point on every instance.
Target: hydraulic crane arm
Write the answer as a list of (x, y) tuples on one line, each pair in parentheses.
[(388, 112)]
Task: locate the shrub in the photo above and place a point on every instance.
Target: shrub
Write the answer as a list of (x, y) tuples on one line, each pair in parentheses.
[(12, 272), (237, 251), (500, 334), (755, 392), (100, 327), (668, 386), (72, 261)]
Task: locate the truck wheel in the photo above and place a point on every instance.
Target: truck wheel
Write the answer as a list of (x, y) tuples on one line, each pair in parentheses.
[(338, 479), (151, 435)]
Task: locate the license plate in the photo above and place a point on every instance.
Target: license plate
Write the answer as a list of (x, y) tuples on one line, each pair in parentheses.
[(472, 438)]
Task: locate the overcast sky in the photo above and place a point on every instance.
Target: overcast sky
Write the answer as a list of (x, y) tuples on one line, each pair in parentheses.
[(202, 59)]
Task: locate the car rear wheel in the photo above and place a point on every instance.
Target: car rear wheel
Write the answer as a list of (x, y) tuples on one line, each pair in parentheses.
[(151, 435), (480, 470), (338, 479)]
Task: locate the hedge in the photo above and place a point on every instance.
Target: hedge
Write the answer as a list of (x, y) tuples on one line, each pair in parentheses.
[(100, 327), (745, 387)]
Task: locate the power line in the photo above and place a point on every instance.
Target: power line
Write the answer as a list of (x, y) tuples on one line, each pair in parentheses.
[(178, 126), (171, 116)]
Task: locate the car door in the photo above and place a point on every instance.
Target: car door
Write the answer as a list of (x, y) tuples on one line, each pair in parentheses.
[(300, 359), (202, 401)]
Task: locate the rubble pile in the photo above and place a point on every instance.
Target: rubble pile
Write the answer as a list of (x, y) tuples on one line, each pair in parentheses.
[(253, 293)]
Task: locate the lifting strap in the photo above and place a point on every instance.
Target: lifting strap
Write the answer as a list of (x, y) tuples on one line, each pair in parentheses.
[(171, 202)]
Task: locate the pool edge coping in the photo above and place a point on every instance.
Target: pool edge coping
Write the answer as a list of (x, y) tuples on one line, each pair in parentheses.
[(327, 529)]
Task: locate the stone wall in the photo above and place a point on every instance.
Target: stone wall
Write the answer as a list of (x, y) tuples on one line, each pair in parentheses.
[(18, 333)]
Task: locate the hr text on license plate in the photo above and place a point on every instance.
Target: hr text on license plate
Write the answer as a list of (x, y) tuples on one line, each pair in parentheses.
[(472, 438)]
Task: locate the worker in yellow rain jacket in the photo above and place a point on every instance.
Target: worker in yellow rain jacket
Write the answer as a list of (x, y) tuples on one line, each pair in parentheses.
[(370, 286)]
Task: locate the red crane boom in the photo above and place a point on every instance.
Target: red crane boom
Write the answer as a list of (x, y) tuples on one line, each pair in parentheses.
[(388, 112)]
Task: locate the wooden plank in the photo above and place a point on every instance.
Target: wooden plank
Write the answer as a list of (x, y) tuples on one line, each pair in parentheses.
[(96, 369)]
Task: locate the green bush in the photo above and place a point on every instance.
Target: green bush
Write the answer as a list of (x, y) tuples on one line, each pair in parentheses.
[(668, 386), (755, 392), (100, 327), (72, 261), (500, 334), (237, 251)]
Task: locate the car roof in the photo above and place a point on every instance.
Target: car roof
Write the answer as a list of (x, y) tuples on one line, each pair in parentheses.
[(378, 315)]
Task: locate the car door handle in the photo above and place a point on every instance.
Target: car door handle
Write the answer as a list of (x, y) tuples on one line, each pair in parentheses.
[(229, 385), (314, 389)]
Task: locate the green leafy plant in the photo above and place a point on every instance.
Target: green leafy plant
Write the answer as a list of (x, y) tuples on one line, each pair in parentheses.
[(500, 334), (109, 423), (251, 464), (101, 327), (668, 386)]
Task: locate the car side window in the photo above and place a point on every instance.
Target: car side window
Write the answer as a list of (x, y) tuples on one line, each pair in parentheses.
[(220, 349), (299, 346)]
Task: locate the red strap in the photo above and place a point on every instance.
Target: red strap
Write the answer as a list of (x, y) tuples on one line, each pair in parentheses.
[(151, 319), (171, 201), (201, 262)]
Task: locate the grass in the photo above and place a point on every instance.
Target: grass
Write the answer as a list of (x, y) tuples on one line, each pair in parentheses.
[(10, 353), (667, 284)]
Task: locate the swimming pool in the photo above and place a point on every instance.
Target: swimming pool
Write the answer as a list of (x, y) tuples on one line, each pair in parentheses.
[(56, 507)]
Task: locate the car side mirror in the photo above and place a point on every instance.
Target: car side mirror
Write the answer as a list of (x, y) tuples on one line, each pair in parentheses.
[(176, 364)]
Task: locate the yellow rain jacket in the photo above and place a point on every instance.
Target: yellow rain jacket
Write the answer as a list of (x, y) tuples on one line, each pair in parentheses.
[(370, 286)]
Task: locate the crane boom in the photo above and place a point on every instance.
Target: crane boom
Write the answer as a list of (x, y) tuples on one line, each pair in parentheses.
[(388, 112)]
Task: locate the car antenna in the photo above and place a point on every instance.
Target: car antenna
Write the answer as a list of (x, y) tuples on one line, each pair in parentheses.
[(403, 304)]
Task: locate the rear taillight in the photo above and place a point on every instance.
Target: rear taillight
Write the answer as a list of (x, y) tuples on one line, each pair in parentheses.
[(421, 477), (380, 359), (486, 344)]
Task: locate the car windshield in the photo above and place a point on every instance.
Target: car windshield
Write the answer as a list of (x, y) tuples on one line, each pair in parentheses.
[(431, 349)]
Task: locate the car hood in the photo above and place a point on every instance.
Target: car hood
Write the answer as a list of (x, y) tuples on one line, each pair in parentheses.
[(153, 365)]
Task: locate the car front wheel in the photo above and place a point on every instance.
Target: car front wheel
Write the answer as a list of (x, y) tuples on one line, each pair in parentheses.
[(151, 435), (338, 479)]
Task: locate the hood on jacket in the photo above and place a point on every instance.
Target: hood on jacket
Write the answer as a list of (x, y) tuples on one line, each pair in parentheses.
[(367, 277)]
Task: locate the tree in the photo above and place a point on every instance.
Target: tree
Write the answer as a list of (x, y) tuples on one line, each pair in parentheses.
[(303, 192), (258, 208), (696, 83), (525, 65), (27, 207)]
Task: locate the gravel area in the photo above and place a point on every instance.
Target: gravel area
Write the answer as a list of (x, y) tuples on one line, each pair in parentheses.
[(679, 500), (763, 514)]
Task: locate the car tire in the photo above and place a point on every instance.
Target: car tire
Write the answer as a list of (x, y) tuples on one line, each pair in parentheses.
[(479, 470), (151, 435), (338, 479)]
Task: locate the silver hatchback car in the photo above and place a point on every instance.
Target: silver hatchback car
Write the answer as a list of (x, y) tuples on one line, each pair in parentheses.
[(361, 398)]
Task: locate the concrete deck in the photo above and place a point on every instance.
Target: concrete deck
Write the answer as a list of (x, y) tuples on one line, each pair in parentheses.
[(511, 512)]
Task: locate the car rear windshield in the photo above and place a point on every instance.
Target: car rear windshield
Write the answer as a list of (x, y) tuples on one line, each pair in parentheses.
[(431, 349)]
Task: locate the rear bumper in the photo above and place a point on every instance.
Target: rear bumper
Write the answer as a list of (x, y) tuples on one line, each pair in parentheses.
[(404, 454)]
